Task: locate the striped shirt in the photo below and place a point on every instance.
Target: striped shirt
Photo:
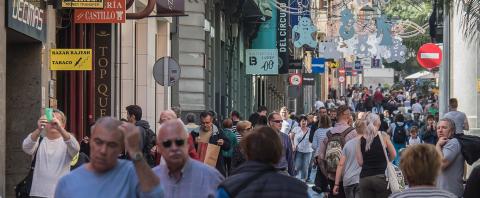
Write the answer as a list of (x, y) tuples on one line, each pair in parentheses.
[(239, 136), (430, 192)]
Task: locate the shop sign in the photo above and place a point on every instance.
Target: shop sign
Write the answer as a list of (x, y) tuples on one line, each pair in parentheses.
[(170, 7), (28, 17), (282, 38), (318, 65), (71, 59), (113, 12), (103, 70), (333, 64), (262, 61), (82, 3), (308, 79)]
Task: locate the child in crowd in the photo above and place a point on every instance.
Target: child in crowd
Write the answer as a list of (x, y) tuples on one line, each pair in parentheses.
[(414, 139)]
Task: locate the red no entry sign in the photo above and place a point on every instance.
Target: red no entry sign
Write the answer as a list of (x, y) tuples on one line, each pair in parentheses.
[(429, 56)]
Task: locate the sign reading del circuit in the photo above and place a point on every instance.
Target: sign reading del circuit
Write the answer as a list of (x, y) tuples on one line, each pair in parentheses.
[(28, 17)]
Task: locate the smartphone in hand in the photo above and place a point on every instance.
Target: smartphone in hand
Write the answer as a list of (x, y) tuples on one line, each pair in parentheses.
[(49, 114)]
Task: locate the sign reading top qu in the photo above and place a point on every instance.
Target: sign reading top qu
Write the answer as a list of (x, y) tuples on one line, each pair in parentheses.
[(303, 33)]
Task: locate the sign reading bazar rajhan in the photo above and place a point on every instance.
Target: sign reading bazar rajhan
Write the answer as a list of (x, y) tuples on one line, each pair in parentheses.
[(71, 59), (113, 12), (28, 17), (82, 3)]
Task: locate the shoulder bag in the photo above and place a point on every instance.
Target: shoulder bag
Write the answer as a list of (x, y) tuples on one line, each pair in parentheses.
[(22, 189), (393, 174)]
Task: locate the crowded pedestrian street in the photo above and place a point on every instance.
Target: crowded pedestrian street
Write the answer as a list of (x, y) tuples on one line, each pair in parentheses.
[(240, 99)]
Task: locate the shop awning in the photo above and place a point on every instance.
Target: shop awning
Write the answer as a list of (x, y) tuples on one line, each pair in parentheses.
[(422, 75)]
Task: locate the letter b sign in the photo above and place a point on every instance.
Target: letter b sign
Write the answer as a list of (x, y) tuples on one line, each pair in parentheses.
[(253, 60)]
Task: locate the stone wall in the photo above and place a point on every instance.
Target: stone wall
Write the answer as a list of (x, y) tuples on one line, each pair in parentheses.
[(23, 106)]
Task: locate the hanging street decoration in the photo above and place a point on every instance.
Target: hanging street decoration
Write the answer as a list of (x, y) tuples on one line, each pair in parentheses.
[(362, 48), (347, 30), (397, 52), (384, 29), (329, 50), (304, 33)]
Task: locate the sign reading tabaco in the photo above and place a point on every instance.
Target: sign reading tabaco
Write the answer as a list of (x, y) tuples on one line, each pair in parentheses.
[(103, 70), (28, 17)]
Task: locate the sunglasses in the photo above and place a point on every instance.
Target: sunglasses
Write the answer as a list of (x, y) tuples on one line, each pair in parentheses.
[(277, 121), (168, 143)]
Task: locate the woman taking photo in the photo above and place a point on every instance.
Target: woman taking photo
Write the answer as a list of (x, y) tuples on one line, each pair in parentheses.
[(371, 158), (302, 148)]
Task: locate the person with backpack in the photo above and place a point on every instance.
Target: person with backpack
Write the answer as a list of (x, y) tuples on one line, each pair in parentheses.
[(331, 147), (398, 130), (371, 157), (258, 177), (348, 170), (134, 116)]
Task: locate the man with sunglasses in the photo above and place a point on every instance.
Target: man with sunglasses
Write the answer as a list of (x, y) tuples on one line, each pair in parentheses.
[(209, 133), (181, 176), (286, 162), (107, 176)]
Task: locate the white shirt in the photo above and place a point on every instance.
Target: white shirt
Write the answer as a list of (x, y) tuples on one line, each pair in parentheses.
[(304, 145), (52, 163), (417, 108), (286, 126), (413, 141)]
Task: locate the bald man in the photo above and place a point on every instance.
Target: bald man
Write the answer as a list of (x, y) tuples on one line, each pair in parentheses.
[(182, 176), (107, 176)]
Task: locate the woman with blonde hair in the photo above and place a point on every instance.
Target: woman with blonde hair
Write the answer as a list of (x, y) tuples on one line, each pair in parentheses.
[(421, 165), (371, 158)]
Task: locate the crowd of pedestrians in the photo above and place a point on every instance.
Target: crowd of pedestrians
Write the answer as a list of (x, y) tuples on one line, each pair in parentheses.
[(347, 143)]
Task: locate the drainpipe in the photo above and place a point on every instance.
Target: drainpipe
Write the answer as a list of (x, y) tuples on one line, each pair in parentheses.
[(142, 14)]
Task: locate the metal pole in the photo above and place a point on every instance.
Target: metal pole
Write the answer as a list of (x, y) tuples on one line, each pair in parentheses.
[(445, 67), (165, 82)]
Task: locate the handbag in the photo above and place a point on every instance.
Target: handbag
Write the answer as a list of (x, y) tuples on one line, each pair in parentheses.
[(394, 175), (22, 189)]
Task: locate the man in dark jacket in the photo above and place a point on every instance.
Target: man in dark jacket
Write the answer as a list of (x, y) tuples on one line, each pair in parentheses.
[(134, 116), (209, 133), (258, 176)]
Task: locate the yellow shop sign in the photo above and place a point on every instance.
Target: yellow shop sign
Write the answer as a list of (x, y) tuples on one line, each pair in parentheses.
[(71, 59)]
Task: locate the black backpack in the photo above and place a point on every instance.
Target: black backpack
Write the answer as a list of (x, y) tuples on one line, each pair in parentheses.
[(399, 134), (149, 140), (470, 147)]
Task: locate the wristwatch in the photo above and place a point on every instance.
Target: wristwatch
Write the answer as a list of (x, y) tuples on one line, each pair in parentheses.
[(137, 157)]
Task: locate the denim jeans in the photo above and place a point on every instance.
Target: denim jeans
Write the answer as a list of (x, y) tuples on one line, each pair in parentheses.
[(352, 191), (302, 161)]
